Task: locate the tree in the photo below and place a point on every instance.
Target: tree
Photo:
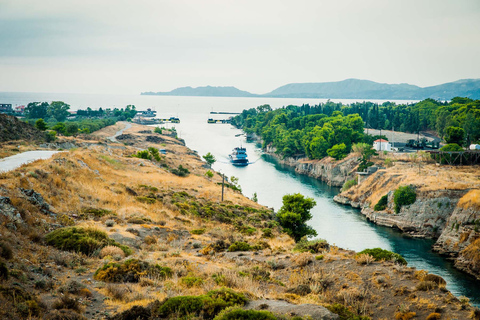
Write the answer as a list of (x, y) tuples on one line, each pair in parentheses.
[(36, 110), (59, 110), (255, 197), (71, 129), (455, 135), (338, 151), (210, 159), (294, 214), (59, 127), (41, 125), (209, 174)]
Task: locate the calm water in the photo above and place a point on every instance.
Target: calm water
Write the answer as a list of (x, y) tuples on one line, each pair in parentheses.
[(340, 225)]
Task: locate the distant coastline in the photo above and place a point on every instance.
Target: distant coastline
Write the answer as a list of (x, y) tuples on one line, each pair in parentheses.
[(346, 89)]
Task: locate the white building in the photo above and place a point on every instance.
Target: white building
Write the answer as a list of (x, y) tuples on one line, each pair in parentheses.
[(382, 145), (475, 147)]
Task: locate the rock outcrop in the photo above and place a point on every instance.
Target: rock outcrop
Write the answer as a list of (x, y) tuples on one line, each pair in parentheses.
[(437, 213), (333, 172)]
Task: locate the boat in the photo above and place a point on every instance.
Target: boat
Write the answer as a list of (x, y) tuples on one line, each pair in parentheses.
[(238, 157)]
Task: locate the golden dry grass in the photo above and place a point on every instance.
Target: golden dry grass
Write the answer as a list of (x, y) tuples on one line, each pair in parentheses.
[(470, 200)]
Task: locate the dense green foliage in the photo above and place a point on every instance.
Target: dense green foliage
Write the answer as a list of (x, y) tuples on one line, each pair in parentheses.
[(350, 183), (381, 254), (312, 130), (84, 240), (239, 246), (294, 214), (207, 305), (130, 271), (238, 313), (404, 196), (381, 204)]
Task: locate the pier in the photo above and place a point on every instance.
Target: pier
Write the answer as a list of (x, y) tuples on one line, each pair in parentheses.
[(219, 120)]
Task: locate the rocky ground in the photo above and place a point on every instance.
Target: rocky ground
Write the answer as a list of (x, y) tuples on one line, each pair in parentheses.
[(182, 243)]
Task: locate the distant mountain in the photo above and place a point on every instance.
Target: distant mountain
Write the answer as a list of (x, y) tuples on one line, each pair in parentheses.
[(346, 89), (207, 91)]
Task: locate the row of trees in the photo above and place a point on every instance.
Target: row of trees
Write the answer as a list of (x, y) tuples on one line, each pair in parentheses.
[(332, 128), (293, 133)]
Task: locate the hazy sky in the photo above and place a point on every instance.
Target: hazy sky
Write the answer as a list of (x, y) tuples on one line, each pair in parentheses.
[(120, 46)]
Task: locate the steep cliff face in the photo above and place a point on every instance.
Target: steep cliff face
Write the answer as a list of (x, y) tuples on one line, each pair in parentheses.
[(450, 214), (333, 172)]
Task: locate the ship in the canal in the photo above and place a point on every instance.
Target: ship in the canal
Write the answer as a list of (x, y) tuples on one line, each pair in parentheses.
[(238, 157)]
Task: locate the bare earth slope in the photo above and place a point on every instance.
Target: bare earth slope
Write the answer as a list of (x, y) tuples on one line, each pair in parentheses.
[(179, 224)]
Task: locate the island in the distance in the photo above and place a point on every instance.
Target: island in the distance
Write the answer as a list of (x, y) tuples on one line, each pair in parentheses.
[(346, 89)]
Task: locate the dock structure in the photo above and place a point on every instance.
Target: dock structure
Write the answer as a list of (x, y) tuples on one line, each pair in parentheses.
[(222, 112), (171, 120), (452, 158), (219, 120)]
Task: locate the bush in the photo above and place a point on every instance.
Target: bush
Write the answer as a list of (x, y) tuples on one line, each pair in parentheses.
[(312, 246), (111, 251), (197, 231), (130, 271), (381, 254), (6, 251), (208, 305), (67, 302), (350, 183), (238, 313), (82, 240), (338, 151), (3, 271), (344, 313), (181, 171), (404, 196), (191, 281), (267, 233), (239, 246), (381, 204)]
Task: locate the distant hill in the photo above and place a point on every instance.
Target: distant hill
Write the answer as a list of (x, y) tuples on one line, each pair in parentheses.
[(346, 89), (207, 91)]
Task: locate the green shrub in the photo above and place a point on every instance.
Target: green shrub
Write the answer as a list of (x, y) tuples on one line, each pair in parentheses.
[(143, 154), (82, 240), (381, 204), (313, 246), (181, 171), (197, 231), (338, 151), (239, 246), (344, 313), (130, 271), (404, 196), (191, 281), (450, 158), (350, 183), (381, 254), (146, 200), (6, 251), (238, 313), (3, 271), (267, 233), (154, 153), (207, 306)]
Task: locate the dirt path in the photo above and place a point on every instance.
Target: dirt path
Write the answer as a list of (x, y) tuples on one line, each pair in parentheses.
[(119, 132), (13, 162)]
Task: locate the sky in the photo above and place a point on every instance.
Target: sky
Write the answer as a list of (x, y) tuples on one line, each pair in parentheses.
[(124, 46)]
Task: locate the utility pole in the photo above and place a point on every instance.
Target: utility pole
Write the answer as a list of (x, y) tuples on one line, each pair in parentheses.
[(223, 184)]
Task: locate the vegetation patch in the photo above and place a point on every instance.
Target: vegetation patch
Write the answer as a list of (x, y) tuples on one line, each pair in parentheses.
[(312, 246), (206, 306), (404, 196), (180, 171), (344, 313), (381, 254), (238, 313), (381, 204), (82, 240), (349, 183), (197, 231), (240, 246), (130, 271)]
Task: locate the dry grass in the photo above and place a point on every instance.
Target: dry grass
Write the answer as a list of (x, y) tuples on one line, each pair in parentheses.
[(470, 200), (364, 258), (111, 251)]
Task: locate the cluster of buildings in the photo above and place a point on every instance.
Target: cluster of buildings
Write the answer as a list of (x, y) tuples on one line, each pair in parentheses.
[(7, 108)]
